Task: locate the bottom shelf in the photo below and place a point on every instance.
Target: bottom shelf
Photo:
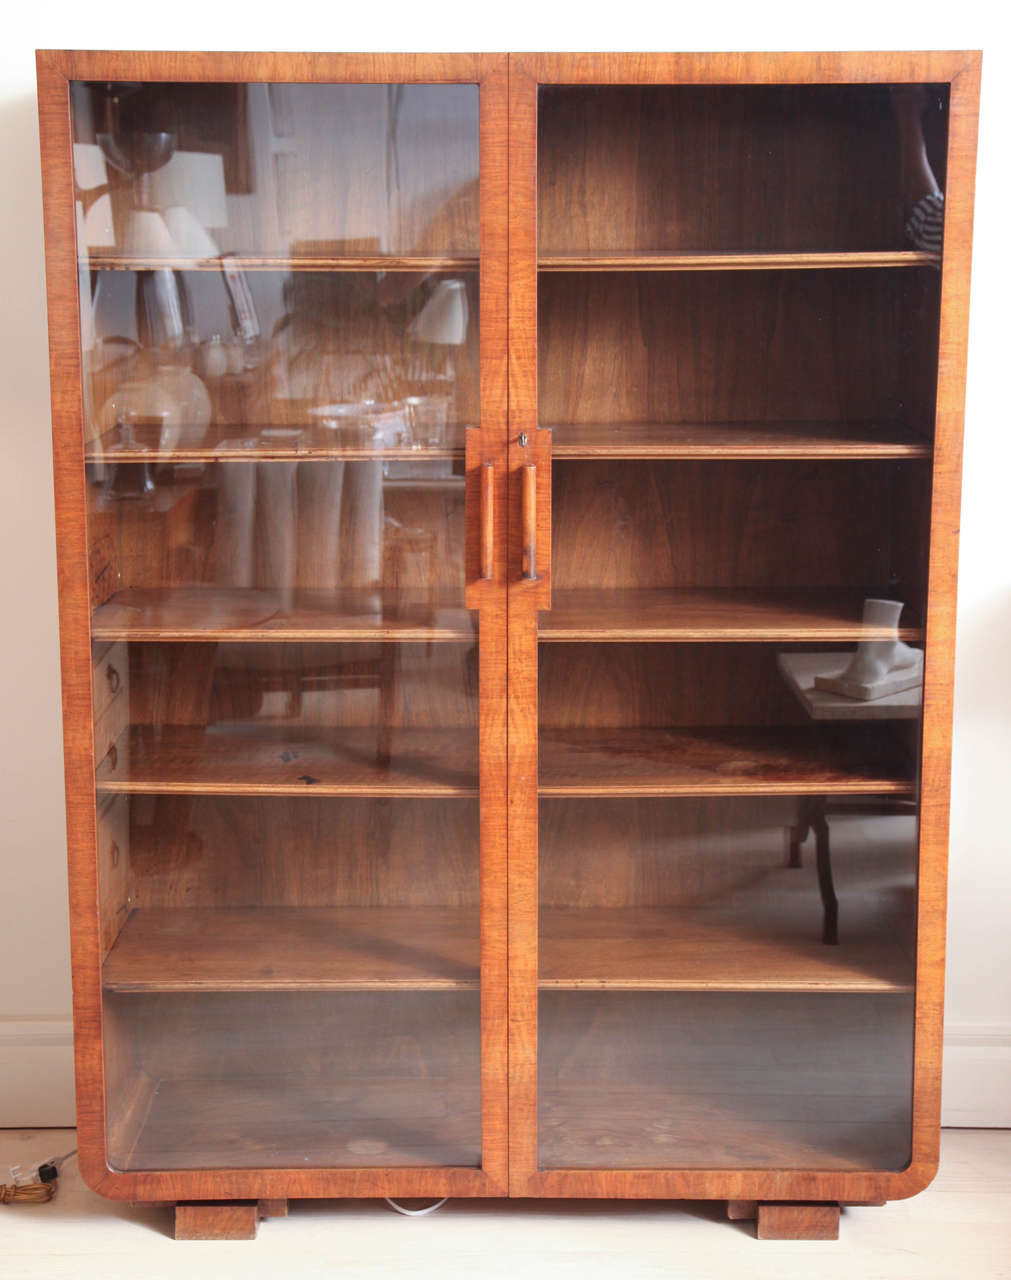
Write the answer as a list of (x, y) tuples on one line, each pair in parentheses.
[(639, 1081), (294, 1080), (298, 1120)]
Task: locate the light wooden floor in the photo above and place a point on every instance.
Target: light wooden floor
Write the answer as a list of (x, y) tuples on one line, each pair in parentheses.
[(959, 1228)]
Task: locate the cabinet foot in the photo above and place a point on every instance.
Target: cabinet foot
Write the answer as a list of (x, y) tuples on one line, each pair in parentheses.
[(273, 1208), (232, 1220), (741, 1210), (798, 1222)]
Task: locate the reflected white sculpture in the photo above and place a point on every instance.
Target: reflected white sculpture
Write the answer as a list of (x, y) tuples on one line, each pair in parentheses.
[(879, 667)]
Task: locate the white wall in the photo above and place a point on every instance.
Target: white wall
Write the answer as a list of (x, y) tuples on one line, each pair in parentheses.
[(35, 1063)]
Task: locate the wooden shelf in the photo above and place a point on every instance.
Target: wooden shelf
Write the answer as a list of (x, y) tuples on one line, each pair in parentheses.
[(296, 949), (272, 760), (437, 949), (772, 441), (263, 443), (706, 761), (731, 261), (691, 614), (237, 613), (266, 262), (668, 949)]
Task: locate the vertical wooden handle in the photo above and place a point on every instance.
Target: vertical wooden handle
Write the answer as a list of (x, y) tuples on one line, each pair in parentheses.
[(530, 522), (487, 519)]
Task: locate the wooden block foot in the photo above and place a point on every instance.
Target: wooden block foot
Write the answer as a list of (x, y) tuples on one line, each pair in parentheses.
[(798, 1222), (741, 1210), (232, 1220), (273, 1208)]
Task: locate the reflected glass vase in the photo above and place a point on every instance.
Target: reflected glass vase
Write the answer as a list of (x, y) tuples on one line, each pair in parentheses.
[(172, 403)]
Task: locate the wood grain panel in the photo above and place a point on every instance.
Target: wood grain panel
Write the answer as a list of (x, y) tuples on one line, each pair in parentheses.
[(616, 852), (664, 686), (525, 597), (304, 851), (939, 662), (754, 346), (682, 167), (618, 524)]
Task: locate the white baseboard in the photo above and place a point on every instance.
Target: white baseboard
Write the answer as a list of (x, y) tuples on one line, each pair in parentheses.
[(36, 1073), (976, 1092)]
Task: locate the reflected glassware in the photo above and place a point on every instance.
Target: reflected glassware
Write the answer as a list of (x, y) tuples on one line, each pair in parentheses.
[(214, 357), (428, 417), (128, 479), (172, 397)]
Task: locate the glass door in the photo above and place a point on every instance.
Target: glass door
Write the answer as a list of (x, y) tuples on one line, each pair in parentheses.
[(290, 444), (737, 301)]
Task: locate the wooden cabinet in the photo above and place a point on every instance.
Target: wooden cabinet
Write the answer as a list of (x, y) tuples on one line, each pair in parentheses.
[(474, 476)]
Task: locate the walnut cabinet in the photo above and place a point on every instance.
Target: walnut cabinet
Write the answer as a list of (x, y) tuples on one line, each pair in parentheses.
[(472, 473)]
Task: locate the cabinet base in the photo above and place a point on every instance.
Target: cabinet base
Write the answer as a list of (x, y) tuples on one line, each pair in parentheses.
[(789, 1221), (225, 1220), (797, 1222)]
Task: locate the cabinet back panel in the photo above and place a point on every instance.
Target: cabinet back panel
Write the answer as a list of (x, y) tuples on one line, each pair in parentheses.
[(303, 687), (606, 852), (731, 524), (295, 1080), (783, 167), (750, 346), (595, 686), (288, 151), (276, 525), (252, 851), (327, 338)]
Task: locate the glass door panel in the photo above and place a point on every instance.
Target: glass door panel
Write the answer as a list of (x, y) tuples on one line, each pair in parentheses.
[(280, 322), (737, 326)]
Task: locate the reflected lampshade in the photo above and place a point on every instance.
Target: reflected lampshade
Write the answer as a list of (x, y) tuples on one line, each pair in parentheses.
[(195, 181), (443, 318)]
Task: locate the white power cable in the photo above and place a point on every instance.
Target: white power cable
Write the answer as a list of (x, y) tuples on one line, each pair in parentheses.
[(415, 1213)]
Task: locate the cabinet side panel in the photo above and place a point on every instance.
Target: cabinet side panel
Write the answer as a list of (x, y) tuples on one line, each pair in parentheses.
[(72, 569), (941, 600)]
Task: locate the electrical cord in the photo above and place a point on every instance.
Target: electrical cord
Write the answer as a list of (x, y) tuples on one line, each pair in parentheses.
[(35, 1187), (415, 1213)]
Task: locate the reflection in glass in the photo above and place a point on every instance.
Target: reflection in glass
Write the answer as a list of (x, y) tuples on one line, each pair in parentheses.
[(279, 329)]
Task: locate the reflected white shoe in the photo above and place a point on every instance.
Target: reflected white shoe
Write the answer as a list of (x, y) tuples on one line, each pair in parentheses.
[(879, 667)]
